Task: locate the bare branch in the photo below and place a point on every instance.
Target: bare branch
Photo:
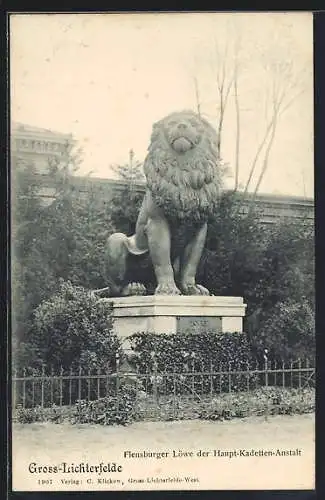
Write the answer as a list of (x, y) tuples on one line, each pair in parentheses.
[(266, 160), (257, 155), (197, 95), (224, 63), (289, 103), (279, 107), (278, 112), (224, 84), (230, 83), (237, 129)]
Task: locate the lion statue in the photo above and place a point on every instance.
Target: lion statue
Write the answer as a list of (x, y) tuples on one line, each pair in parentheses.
[(183, 187)]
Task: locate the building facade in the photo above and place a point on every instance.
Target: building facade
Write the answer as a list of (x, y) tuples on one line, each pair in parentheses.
[(37, 146)]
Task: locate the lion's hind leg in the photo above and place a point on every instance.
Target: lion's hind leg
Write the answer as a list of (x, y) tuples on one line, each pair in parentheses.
[(116, 254), (118, 249)]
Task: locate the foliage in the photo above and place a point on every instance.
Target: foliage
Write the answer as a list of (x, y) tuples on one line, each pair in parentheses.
[(131, 172), (126, 203), (174, 352), (118, 408), (76, 231), (113, 409), (24, 193), (271, 267), (70, 329), (232, 258), (38, 414), (121, 408), (63, 240), (288, 331), (284, 306), (32, 277), (264, 402)]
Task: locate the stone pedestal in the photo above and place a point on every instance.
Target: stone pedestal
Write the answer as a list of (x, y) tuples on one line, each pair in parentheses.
[(174, 314)]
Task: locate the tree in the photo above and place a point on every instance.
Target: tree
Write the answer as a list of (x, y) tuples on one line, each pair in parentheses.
[(281, 82), (225, 64), (271, 267), (64, 240), (126, 202), (285, 86), (131, 173), (32, 279), (233, 255)]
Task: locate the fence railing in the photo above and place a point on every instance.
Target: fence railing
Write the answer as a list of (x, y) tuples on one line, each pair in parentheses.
[(64, 388)]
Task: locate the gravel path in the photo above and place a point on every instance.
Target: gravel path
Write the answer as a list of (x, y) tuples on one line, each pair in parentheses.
[(49, 443)]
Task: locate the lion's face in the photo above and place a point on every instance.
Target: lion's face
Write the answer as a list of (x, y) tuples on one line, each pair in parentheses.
[(182, 166), (183, 131)]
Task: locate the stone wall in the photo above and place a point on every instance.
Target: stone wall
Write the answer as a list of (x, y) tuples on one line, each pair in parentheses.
[(272, 206)]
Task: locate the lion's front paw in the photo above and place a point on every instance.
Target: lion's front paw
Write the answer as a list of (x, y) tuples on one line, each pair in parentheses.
[(134, 289), (167, 289), (193, 289)]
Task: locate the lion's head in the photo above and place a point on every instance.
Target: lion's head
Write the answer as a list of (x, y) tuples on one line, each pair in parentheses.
[(182, 166)]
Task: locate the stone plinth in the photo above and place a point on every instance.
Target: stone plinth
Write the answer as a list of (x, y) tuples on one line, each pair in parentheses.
[(173, 314)]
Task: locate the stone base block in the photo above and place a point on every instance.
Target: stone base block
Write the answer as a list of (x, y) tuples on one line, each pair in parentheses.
[(174, 314)]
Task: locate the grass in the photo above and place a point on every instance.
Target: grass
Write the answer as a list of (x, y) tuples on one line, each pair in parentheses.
[(261, 402)]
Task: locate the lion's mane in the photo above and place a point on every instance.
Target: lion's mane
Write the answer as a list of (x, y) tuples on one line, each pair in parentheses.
[(186, 186)]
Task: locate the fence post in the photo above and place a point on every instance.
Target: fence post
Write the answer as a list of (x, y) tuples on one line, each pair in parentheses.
[(193, 369), (299, 373), (88, 384), (33, 389), (79, 393), (79, 383), (202, 377), (98, 383), (61, 386), (247, 375), (211, 380), (117, 357), (24, 388), (51, 386), (154, 385), (136, 402), (174, 392), (70, 386), (308, 370), (14, 389), (266, 367), (42, 386), (283, 374)]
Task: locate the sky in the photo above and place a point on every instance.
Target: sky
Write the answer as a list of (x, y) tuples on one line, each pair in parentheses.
[(106, 78)]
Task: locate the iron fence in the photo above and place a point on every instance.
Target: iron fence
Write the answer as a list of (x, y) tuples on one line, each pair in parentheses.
[(64, 388)]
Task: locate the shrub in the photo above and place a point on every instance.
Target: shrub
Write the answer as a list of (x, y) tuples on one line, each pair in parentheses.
[(189, 349), (189, 352), (267, 265), (70, 329), (38, 414), (113, 409), (287, 331), (118, 408), (266, 401)]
